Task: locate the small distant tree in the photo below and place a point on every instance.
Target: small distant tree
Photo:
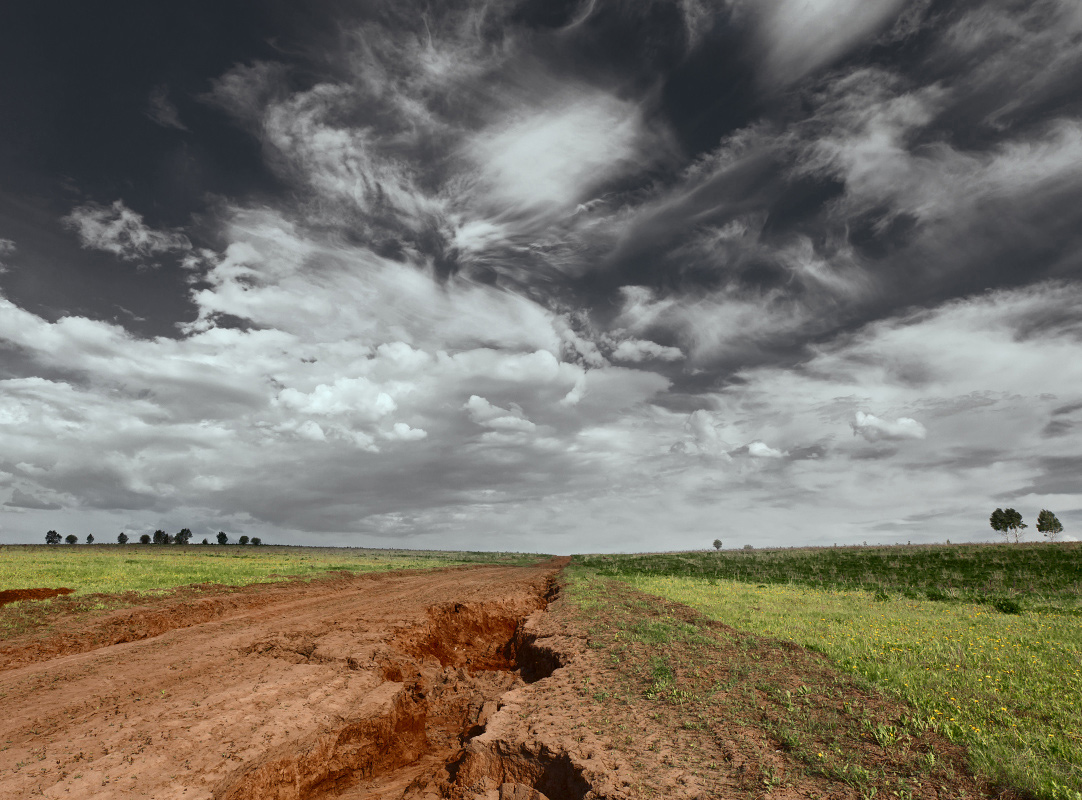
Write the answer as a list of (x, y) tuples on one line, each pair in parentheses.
[(1008, 522), (1011, 525), (52, 537), (257, 541), (1049, 525), (161, 537), (71, 538), (122, 538), (182, 536), (90, 538), (242, 540), (222, 538), (205, 542), (144, 539), (717, 544)]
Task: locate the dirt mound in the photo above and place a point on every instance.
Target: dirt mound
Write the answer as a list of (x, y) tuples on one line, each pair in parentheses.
[(14, 595)]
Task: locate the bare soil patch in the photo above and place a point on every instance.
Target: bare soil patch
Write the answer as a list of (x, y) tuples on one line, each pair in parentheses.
[(14, 595), (453, 684)]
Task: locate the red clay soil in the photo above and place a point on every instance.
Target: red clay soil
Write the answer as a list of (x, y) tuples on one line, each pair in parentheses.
[(431, 685), (310, 693), (13, 595)]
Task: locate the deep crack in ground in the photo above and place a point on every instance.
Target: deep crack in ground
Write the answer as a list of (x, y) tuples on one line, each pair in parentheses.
[(354, 688)]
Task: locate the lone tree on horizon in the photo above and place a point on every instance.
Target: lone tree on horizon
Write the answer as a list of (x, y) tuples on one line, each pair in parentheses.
[(144, 539), (1049, 525), (71, 538), (52, 537), (222, 538), (122, 538), (242, 540), (90, 538), (182, 536), (717, 544), (1009, 523)]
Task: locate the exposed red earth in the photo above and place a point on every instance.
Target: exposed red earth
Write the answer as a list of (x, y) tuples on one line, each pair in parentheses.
[(13, 595), (355, 687), (453, 684)]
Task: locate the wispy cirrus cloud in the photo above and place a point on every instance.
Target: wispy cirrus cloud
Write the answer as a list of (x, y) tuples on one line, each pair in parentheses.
[(554, 155), (7, 247), (161, 109), (800, 36), (117, 229)]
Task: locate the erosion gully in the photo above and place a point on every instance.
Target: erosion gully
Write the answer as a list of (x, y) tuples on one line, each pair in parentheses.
[(418, 736)]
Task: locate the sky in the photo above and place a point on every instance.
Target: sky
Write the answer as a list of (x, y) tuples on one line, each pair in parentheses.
[(540, 276)]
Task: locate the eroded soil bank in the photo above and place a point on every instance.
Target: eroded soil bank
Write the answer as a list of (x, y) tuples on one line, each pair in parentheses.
[(362, 687), (43, 593)]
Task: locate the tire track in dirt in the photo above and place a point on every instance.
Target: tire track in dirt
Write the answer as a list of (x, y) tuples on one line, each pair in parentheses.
[(364, 690)]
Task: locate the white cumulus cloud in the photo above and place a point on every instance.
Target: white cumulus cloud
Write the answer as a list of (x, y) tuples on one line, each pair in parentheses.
[(636, 350), (873, 428), (763, 450), (488, 415)]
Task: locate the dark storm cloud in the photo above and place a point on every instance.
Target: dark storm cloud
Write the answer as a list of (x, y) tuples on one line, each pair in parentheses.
[(21, 499), (1055, 475)]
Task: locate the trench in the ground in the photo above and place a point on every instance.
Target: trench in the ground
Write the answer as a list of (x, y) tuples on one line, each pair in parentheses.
[(443, 680)]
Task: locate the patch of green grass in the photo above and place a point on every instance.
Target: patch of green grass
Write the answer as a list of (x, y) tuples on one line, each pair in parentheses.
[(1012, 575), (149, 568), (715, 696), (1008, 686)]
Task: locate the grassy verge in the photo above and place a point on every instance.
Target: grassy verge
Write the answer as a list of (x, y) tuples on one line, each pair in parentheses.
[(148, 568), (1007, 686), (735, 714)]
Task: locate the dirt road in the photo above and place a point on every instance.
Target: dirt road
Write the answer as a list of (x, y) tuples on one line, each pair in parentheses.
[(358, 687)]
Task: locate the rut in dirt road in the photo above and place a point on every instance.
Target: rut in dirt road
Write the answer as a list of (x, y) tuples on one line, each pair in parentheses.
[(413, 738), (361, 688)]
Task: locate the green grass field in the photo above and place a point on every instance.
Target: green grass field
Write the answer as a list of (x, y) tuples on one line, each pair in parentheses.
[(149, 568), (1042, 574), (1007, 685)]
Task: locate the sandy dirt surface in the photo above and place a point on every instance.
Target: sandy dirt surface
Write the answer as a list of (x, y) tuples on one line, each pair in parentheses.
[(474, 683), (294, 691)]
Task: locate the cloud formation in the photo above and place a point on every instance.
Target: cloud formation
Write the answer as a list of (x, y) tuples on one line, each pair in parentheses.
[(161, 110), (7, 247), (118, 230), (874, 429), (477, 273)]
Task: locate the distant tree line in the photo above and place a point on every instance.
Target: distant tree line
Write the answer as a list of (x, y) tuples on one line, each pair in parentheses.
[(183, 536)]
